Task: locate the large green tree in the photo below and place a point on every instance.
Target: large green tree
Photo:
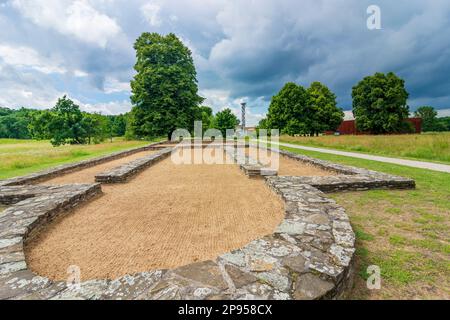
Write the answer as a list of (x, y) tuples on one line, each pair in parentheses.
[(224, 120), (379, 103), (14, 123), (66, 125), (164, 90), (96, 127), (326, 116), (429, 118), (289, 111), (207, 117)]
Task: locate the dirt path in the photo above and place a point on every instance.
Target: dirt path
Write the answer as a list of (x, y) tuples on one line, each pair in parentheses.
[(169, 215), (88, 175)]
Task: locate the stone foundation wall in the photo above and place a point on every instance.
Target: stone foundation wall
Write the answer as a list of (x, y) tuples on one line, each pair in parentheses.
[(67, 168), (310, 255), (124, 172)]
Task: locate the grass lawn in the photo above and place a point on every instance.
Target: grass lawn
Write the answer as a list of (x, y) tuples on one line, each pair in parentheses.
[(404, 232), (427, 147), (20, 157)]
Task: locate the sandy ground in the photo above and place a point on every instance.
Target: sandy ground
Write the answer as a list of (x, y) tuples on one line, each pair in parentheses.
[(169, 215), (287, 166), (88, 175)]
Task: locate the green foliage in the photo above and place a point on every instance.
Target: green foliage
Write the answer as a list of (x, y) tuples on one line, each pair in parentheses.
[(164, 90), (379, 104), (428, 115), (430, 122), (117, 125), (263, 124), (295, 110), (96, 127), (224, 120), (443, 124), (327, 116), (288, 110), (14, 123), (65, 123), (207, 117)]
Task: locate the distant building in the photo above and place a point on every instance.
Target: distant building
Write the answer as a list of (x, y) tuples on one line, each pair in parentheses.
[(349, 127)]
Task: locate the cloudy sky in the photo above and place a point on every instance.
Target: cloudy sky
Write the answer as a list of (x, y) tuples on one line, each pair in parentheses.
[(243, 49)]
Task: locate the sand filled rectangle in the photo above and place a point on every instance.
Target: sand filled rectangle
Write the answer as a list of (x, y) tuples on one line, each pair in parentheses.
[(169, 215)]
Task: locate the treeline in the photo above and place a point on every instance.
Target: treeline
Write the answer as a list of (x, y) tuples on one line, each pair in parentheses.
[(379, 106), (63, 124), (430, 121)]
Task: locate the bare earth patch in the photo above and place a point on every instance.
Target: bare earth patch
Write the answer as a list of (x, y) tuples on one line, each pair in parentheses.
[(169, 215), (88, 175)]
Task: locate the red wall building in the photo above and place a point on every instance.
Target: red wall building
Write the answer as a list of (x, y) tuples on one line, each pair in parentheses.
[(349, 126)]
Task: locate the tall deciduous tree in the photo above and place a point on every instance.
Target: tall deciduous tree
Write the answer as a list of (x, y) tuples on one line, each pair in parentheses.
[(429, 118), (325, 113), (288, 110), (66, 125), (164, 90), (207, 117), (224, 120), (379, 103)]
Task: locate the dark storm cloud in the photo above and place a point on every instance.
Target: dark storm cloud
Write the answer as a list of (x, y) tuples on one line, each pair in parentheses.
[(242, 49)]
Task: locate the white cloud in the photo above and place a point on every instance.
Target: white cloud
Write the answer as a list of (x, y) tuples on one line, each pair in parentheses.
[(74, 18), (444, 113), (151, 12), (24, 57), (21, 89), (108, 108), (240, 48), (113, 85), (80, 73)]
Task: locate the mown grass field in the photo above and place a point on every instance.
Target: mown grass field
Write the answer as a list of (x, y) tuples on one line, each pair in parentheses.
[(426, 147), (405, 232), (20, 157)]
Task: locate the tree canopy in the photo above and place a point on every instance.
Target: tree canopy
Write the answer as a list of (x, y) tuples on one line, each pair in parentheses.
[(326, 115), (224, 120), (207, 117), (64, 123), (430, 121), (295, 110), (379, 103), (164, 90)]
